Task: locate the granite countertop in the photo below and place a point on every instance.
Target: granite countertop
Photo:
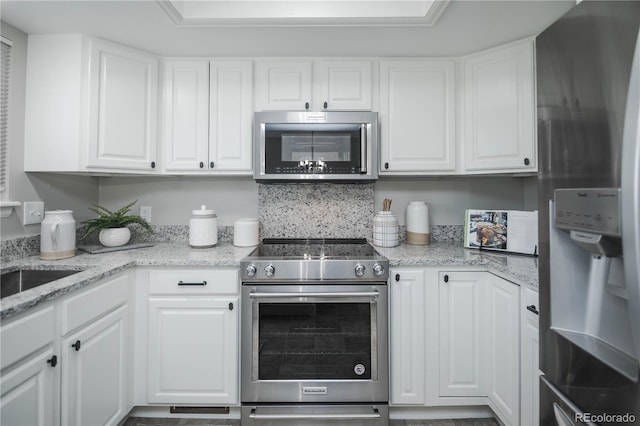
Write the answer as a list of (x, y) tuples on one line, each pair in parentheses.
[(96, 267), (522, 270)]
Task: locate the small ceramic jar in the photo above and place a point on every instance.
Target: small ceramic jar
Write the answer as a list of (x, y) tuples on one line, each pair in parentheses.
[(203, 228)]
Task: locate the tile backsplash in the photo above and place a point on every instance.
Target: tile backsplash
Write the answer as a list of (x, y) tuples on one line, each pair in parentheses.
[(316, 210)]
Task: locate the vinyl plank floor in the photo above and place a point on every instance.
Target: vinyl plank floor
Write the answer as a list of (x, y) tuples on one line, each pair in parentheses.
[(151, 421)]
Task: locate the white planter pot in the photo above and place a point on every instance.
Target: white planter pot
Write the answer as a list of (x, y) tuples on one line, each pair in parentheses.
[(114, 237)]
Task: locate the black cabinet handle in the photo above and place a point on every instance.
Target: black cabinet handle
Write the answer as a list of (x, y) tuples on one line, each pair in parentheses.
[(532, 308), (183, 283), (231, 306), (306, 105), (53, 361), (325, 105), (211, 165), (201, 165), (526, 161), (386, 165), (397, 277), (76, 345), (446, 278), (153, 164)]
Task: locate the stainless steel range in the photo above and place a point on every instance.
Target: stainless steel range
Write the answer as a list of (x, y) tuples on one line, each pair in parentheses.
[(314, 333)]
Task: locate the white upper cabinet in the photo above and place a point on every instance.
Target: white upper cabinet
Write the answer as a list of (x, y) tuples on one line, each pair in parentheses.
[(186, 114), (122, 107), (417, 116), (231, 115), (313, 85), (344, 85), (499, 111), (207, 116), (91, 105)]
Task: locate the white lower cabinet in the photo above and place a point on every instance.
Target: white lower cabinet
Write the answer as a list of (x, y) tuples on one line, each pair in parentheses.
[(66, 363), (193, 337), (407, 337), (463, 333), (94, 372), (30, 370), (503, 315), (530, 370), (455, 341)]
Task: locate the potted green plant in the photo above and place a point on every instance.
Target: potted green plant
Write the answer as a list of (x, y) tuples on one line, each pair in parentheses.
[(113, 225)]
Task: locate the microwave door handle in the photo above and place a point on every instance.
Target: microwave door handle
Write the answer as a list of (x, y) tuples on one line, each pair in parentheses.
[(363, 149)]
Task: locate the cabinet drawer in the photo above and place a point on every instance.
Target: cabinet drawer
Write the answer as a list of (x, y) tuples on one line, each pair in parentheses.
[(94, 303), (194, 281), (38, 326), (531, 304)]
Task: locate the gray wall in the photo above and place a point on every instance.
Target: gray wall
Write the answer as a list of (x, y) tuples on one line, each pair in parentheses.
[(57, 191), (173, 198)]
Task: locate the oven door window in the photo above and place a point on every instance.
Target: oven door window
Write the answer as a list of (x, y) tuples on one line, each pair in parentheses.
[(312, 148), (315, 341)]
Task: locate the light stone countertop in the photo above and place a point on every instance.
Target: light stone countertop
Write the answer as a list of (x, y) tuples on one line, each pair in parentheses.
[(522, 270), (96, 267)]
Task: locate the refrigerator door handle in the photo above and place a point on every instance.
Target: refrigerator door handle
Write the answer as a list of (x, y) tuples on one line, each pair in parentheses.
[(630, 196)]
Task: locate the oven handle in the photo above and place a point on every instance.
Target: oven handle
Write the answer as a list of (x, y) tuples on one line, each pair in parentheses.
[(313, 294), (313, 416), (363, 149)]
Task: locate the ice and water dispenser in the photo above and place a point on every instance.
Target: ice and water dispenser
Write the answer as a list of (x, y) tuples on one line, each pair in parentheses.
[(589, 300)]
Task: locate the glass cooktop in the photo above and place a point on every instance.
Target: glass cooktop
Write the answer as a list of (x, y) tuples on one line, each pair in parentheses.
[(314, 248)]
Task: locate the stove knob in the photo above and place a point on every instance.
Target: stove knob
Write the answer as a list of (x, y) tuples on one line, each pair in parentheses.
[(269, 270), (378, 269), (359, 269), (250, 270)]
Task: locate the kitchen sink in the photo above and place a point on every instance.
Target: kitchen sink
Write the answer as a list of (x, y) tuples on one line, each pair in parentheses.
[(24, 279)]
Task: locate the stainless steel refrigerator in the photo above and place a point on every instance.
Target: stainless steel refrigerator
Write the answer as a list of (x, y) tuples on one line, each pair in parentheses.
[(588, 106)]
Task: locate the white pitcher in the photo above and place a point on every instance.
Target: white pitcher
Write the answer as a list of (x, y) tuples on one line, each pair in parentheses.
[(58, 235)]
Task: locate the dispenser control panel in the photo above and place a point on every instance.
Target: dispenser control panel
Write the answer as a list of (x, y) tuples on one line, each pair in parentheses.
[(595, 210)]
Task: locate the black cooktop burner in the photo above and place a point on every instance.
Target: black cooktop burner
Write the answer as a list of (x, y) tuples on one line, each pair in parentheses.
[(314, 248)]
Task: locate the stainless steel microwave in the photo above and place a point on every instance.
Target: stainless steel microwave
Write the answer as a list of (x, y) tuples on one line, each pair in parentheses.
[(315, 146)]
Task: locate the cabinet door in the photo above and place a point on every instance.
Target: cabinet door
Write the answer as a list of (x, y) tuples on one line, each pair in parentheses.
[(29, 393), (231, 143), (186, 115), (407, 336), (463, 333), (503, 311), (530, 373), (283, 85), (344, 85), (499, 131), (417, 108), (94, 378), (122, 108), (193, 350)]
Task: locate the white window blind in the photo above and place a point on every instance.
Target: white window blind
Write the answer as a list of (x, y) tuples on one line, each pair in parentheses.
[(5, 66)]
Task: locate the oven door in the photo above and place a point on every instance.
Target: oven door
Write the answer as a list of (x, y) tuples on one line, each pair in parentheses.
[(314, 343)]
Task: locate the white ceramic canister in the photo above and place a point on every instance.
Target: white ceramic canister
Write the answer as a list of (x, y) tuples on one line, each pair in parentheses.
[(417, 220), (57, 235), (385, 229), (246, 232), (203, 228)]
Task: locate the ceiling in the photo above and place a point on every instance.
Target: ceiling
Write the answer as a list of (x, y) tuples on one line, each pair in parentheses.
[(461, 27)]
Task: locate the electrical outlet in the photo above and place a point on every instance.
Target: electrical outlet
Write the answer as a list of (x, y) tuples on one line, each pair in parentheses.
[(32, 212), (145, 213)]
